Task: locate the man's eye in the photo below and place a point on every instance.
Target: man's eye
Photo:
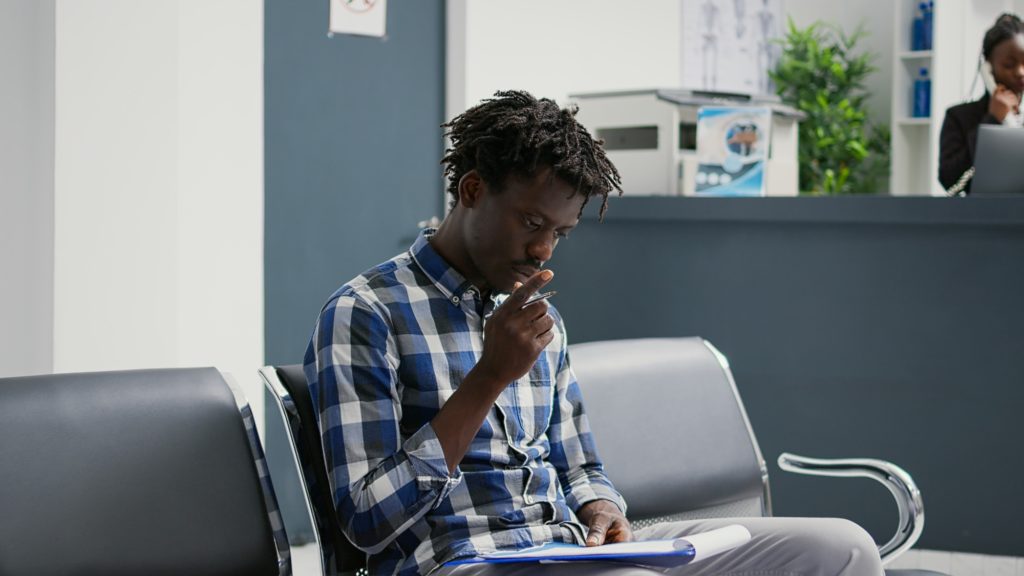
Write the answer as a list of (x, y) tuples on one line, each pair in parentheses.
[(561, 235), (531, 224)]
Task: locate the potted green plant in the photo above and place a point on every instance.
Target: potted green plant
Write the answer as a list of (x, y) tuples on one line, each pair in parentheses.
[(821, 73)]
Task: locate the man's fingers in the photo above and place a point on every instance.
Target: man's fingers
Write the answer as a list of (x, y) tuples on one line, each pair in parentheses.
[(598, 527), (546, 338), (619, 531), (532, 285), (543, 324), (536, 310)]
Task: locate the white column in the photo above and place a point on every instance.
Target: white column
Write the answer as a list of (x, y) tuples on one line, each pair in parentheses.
[(115, 276), (220, 189), (26, 186), (158, 193)]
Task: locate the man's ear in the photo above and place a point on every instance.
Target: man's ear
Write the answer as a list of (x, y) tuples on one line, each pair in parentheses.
[(471, 187)]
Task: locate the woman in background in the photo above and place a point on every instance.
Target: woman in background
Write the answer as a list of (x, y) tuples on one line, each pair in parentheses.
[(1002, 70)]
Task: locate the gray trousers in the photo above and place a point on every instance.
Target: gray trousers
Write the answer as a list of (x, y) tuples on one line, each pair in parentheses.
[(778, 547)]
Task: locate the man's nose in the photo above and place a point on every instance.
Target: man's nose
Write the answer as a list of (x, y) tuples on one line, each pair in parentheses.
[(541, 249)]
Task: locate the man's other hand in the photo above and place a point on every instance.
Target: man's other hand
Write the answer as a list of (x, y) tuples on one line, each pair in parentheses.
[(606, 523)]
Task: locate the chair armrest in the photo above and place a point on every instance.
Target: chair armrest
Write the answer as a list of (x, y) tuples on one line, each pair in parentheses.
[(896, 479), (284, 554)]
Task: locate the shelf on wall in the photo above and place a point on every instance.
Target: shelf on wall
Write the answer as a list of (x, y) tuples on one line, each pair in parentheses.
[(925, 121), (958, 28), (916, 55)]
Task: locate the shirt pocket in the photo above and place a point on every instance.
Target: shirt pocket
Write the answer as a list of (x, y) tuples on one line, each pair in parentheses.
[(534, 398)]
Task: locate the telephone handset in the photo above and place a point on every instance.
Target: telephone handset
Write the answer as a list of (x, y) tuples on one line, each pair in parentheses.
[(1012, 119), (987, 77)]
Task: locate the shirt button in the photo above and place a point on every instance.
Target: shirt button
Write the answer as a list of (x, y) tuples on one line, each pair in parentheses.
[(455, 299), (529, 499)]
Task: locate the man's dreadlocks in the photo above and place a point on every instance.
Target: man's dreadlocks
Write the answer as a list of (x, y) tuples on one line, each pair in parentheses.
[(517, 134)]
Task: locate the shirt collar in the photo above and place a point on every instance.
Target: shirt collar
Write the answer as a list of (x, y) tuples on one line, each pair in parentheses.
[(452, 284)]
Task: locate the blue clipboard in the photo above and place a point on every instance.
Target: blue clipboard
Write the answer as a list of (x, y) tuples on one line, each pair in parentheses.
[(654, 553)]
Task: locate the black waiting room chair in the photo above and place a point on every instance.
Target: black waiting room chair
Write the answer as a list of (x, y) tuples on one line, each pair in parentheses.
[(287, 386), (143, 472), (683, 393)]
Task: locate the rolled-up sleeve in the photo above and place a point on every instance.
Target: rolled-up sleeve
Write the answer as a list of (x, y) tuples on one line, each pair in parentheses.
[(382, 484), (573, 451)]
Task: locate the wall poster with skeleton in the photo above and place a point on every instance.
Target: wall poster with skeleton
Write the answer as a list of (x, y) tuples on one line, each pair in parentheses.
[(729, 45)]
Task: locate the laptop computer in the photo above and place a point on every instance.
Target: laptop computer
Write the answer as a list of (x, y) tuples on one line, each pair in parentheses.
[(998, 161)]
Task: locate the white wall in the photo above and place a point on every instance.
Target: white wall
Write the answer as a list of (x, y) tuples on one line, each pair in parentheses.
[(555, 47), (159, 186), (220, 188), (26, 186), (116, 302)]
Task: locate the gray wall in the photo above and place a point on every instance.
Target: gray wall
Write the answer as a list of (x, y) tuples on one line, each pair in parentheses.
[(27, 52), (856, 327), (352, 150)]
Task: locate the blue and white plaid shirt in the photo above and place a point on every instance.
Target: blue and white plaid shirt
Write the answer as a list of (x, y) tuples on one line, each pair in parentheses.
[(387, 352)]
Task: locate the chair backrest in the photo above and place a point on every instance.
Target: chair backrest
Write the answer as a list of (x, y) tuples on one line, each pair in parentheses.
[(139, 472), (671, 429), (288, 385)]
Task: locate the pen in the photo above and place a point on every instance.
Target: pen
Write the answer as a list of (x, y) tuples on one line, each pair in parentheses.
[(538, 298), (530, 300)]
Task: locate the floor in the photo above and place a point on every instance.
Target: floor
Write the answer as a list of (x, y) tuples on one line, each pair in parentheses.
[(306, 562), (961, 563)]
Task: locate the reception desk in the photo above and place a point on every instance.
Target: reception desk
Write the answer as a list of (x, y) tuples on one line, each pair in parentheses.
[(861, 326)]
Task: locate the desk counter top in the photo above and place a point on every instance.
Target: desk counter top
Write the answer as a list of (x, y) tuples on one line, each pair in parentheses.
[(862, 209)]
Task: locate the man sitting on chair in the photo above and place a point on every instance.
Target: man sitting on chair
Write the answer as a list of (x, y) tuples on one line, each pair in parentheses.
[(451, 420)]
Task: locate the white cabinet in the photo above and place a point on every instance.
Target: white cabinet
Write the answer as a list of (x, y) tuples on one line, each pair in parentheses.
[(958, 28), (651, 137)]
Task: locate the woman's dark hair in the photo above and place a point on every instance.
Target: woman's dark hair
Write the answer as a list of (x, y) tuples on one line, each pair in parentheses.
[(514, 133), (1007, 26)]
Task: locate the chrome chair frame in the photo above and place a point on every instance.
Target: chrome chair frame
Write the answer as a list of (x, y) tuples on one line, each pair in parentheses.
[(289, 414), (284, 556), (897, 480), (723, 363), (290, 418)]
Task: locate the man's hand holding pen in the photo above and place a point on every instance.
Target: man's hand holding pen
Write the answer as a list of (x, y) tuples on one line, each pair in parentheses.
[(514, 337), (517, 332)]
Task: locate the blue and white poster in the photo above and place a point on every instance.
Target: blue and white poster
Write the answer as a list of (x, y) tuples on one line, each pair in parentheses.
[(732, 150)]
